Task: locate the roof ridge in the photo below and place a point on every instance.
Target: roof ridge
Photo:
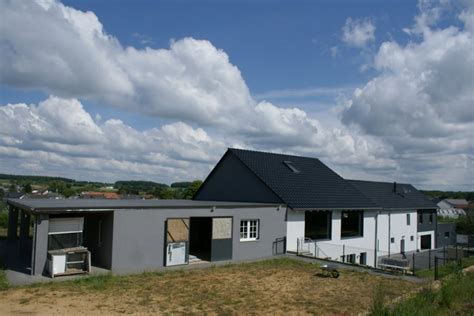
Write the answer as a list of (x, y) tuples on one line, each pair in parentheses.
[(271, 153), (371, 181)]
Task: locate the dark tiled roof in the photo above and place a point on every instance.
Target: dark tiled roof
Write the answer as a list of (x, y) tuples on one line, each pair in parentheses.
[(313, 186), (383, 194)]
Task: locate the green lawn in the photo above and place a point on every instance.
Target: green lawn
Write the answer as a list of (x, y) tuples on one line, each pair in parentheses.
[(454, 297), (445, 270)]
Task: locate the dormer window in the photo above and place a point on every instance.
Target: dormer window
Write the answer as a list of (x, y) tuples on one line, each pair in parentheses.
[(290, 166)]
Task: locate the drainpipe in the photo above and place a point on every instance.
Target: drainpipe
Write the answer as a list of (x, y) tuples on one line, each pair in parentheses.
[(376, 239), (389, 227)]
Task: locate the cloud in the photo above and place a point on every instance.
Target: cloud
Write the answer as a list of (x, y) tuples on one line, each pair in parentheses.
[(358, 32), (421, 100), (74, 57), (408, 122), (58, 135)]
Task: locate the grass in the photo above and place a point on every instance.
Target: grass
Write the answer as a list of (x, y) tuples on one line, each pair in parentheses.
[(283, 285), (454, 297), (444, 270), (3, 280)]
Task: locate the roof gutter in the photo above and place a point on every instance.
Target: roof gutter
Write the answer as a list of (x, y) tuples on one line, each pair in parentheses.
[(334, 208)]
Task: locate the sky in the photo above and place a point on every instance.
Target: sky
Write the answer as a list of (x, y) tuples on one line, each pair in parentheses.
[(158, 90)]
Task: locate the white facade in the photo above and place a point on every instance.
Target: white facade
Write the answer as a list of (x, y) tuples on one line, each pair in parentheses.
[(384, 233), (395, 231)]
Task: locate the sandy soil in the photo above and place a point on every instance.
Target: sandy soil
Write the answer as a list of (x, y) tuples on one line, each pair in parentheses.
[(281, 287)]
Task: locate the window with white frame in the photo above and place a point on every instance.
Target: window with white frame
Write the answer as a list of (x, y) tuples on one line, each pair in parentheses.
[(249, 229)]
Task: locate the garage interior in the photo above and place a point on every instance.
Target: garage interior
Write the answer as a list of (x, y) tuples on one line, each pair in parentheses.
[(200, 239)]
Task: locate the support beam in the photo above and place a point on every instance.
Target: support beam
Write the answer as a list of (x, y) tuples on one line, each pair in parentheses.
[(24, 230), (40, 245), (12, 224)]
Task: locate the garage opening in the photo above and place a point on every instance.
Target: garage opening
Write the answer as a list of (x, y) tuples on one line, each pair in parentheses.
[(98, 230), (200, 239), (425, 242)]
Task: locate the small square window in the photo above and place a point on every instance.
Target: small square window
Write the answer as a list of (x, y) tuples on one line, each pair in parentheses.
[(431, 218), (392, 240), (249, 229), (420, 218), (412, 238), (446, 234), (408, 219)]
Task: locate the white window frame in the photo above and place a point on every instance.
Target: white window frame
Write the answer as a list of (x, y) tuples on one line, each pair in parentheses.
[(248, 225)]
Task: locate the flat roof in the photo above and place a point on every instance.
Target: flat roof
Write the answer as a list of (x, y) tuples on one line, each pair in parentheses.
[(50, 205)]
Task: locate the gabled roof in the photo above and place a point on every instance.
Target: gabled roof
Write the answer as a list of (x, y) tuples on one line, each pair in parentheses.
[(383, 194), (303, 182)]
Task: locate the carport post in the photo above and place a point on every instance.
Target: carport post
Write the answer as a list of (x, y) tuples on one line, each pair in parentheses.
[(24, 229), (12, 223)]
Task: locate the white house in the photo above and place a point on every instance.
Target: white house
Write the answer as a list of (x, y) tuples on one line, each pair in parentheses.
[(326, 215)]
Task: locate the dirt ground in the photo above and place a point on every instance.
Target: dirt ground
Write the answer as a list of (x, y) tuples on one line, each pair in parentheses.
[(283, 286)]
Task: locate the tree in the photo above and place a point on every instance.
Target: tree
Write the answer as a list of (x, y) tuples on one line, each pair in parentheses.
[(27, 188), (192, 189), (167, 194), (465, 225)]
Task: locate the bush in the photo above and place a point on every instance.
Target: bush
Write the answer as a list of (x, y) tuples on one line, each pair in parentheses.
[(3, 219)]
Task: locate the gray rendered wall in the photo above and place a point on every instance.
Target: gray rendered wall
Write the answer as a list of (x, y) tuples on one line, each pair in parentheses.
[(426, 226), (40, 244), (138, 242), (441, 240), (231, 180)]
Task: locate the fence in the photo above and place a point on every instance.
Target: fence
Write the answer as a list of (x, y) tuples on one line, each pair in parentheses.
[(336, 252), (414, 262), (279, 246)]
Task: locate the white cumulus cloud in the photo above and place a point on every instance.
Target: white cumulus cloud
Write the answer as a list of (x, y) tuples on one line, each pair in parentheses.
[(358, 32)]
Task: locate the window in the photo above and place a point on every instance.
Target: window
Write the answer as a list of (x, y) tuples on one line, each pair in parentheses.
[(408, 219), (392, 240), (431, 218), (351, 258), (290, 166), (412, 238), (420, 218), (352, 224), (363, 258), (446, 234), (65, 232), (249, 230), (63, 241), (317, 225)]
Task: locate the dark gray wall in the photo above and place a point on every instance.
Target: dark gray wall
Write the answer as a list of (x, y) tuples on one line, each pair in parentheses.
[(426, 225), (231, 180), (441, 240), (138, 242)]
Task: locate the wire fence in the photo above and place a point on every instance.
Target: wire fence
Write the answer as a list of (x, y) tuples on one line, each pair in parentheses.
[(420, 263)]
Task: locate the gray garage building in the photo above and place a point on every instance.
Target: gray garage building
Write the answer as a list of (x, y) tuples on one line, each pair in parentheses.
[(137, 235)]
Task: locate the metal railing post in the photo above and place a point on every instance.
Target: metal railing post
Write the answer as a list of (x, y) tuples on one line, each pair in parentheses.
[(413, 260), (436, 268), (444, 255), (343, 253), (429, 259)]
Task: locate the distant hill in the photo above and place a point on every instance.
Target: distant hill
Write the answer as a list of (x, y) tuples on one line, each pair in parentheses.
[(437, 195), (24, 179)]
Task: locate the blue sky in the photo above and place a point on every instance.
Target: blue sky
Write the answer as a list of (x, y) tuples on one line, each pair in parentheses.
[(317, 78)]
